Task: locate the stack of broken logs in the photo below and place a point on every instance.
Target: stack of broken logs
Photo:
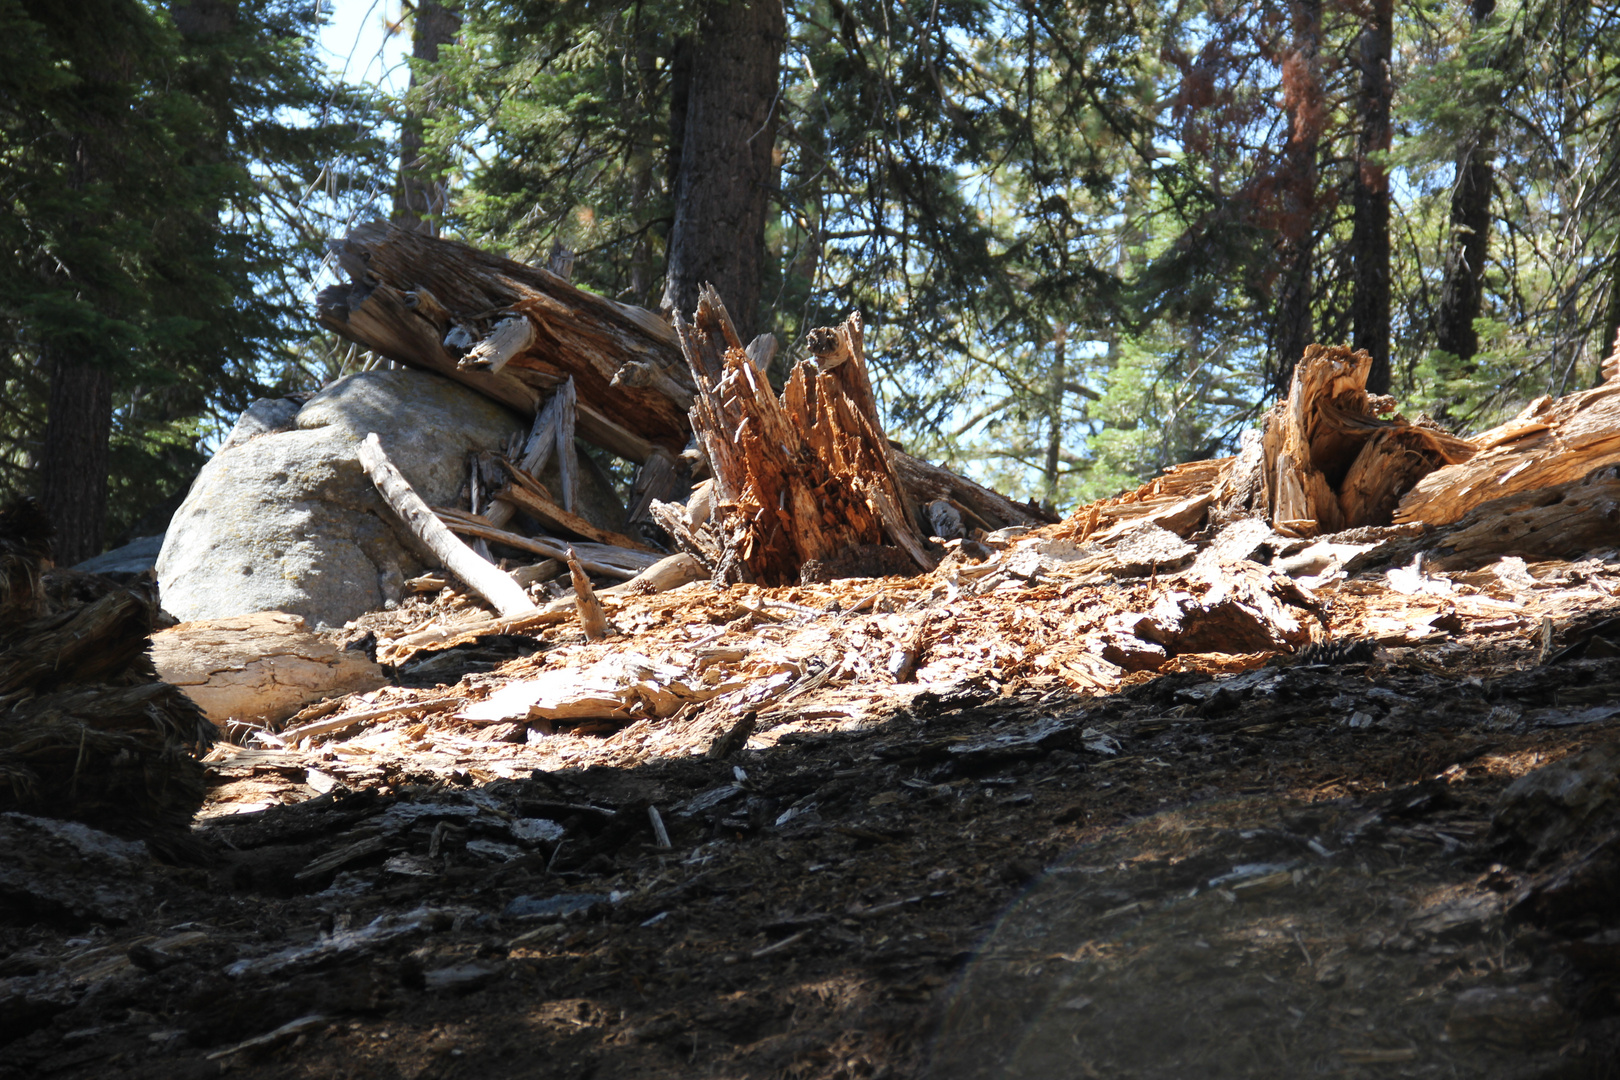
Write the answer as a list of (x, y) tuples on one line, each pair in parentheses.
[(803, 487)]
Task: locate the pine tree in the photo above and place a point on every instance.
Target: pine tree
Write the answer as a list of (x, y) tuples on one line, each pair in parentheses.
[(145, 153)]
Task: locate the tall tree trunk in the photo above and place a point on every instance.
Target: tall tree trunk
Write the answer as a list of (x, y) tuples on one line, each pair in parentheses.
[(1369, 238), (1054, 414), (75, 458), (727, 135), (1302, 97), (419, 198), (1463, 289), (1611, 321)]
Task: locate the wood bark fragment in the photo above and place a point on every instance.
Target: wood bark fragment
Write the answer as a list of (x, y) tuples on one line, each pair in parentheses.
[(592, 619), (492, 583), (733, 738), (508, 339)]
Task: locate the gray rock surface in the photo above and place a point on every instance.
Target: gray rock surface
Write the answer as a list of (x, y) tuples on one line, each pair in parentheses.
[(264, 417), (136, 557), (289, 521)]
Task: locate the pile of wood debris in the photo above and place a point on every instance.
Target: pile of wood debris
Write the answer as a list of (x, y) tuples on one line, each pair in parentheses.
[(1305, 755)]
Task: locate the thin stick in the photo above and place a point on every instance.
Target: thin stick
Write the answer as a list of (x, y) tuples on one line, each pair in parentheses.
[(660, 833), (343, 723)]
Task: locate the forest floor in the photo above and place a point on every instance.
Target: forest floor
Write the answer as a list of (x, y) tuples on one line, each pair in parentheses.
[(1262, 871)]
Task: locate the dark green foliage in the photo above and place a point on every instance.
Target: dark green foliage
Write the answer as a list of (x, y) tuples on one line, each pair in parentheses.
[(147, 175)]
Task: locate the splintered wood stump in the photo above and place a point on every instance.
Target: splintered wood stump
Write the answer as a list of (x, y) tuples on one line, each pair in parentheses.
[(514, 333), (807, 477), (1540, 484), (1327, 459), (1331, 460)]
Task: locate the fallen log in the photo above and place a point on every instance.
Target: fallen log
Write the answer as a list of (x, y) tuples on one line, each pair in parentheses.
[(259, 668), (1546, 523), (87, 730), (492, 583), (516, 333), (510, 331), (1549, 444)]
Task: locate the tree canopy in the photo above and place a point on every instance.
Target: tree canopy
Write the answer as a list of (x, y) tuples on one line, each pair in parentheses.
[(1089, 239), (155, 161)]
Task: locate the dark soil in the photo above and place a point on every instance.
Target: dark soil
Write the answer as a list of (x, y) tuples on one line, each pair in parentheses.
[(1284, 873)]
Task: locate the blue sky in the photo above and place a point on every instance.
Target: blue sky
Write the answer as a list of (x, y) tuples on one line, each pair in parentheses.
[(358, 46)]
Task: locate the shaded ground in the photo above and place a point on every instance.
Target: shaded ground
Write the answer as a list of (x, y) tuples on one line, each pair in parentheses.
[(1284, 872)]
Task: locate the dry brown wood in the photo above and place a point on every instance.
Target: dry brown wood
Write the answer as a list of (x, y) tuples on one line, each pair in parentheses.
[(509, 338), (527, 494), (1332, 460), (1176, 501), (801, 478), (541, 444), (592, 619), (1552, 442), (605, 559), (1551, 522), (733, 738), (575, 333), (492, 583), (293, 736), (262, 667)]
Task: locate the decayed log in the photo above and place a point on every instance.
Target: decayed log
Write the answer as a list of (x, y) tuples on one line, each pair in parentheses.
[(1543, 484), (1326, 460), (262, 667), (87, 731), (1546, 523), (803, 478), (515, 333), (410, 292), (492, 583), (1551, 443)]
